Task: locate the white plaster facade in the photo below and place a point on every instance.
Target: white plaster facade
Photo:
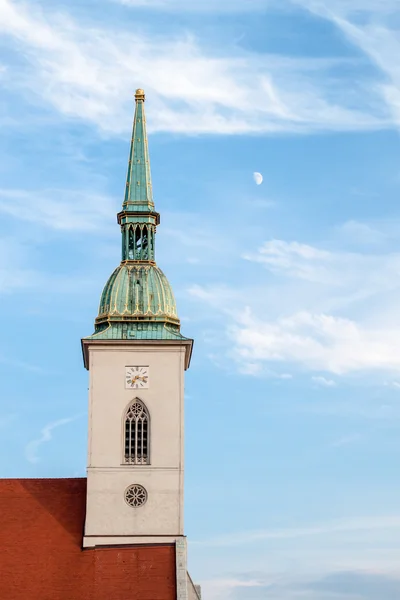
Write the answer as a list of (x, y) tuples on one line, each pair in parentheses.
[(109, 519)]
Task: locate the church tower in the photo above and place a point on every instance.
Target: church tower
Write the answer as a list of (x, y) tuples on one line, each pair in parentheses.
[(136, 360)]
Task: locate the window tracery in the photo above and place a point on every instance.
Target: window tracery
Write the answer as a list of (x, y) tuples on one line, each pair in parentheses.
[(135, 495), (137, 423)]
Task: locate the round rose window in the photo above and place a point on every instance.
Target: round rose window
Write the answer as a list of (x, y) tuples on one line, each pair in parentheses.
[(135, 495)]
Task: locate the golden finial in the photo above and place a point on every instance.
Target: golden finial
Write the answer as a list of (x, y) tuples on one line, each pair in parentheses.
[(139, 95)]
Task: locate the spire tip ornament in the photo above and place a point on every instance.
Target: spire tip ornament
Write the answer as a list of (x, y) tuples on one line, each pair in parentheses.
[(139, 95)]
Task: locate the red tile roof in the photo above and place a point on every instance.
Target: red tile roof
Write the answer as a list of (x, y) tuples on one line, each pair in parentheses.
[(41, 556)]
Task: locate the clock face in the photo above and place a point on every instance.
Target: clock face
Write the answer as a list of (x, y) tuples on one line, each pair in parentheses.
[(136, 378)]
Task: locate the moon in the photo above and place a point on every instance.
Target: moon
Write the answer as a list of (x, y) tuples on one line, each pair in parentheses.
[(258, 178)]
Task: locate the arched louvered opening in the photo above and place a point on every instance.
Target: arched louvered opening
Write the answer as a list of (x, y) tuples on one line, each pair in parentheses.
[(131, 244), (138, 243), (145, 244), (151, 241), (137, 433)]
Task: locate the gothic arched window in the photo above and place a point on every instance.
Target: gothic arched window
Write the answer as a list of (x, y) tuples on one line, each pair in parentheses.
[(137, 426)]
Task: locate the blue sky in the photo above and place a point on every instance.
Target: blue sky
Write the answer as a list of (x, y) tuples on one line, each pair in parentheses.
[(290, 288)]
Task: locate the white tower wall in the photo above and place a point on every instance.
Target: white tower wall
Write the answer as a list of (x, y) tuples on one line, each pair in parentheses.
[(109, 519)]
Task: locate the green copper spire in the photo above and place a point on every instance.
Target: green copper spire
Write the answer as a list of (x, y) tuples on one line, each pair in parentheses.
[(139, 193), (138, 219), (137, 301)]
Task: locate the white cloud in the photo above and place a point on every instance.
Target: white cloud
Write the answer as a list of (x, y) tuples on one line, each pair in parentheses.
[(359, 288), (232, 6), (333, 584), (15, 274), (68, 210), (20, 364), (336, 278), (370, 26), (323, 381), (46, 435), (262, 203), (299, 260), (192, 238), (251, 368), (317, 342), (393, 384), (337, 269), (26, 270), (350, 7), (357, 232), (90, 74), (222, 588), (220, 297), (328, 312), (347, 440), (217, 6), (7, 420), (366, 523), (283, 560)]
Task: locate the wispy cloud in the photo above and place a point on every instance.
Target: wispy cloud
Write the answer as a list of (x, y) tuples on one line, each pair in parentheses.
[(364, 407), (379, 522), (191, 237), (347, 440), (87, 73), (375, 34), (233, 6), (219, 296), (7, 420), (323, 313), (393, 384), (318, 342), (349, 585), (46, 435), (225, 587), (353, 8), (362, 233), (323, 381), (15, 275), (366, 272), (60, 209), (346, 584), (20, 364), (26, 271), (229, 6)]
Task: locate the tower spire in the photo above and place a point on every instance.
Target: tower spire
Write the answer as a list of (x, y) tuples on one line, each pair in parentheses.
[(137, 302), (138, 218), (138, 192)]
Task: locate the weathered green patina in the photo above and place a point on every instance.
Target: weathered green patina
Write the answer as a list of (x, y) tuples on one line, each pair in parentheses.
[(137, 301), (139, 193)]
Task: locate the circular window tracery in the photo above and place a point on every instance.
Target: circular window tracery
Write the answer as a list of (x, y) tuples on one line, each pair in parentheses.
[(135, 410), (135, 495)]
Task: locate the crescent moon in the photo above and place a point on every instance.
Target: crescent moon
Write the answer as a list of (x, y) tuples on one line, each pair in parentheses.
[(258, 178)]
